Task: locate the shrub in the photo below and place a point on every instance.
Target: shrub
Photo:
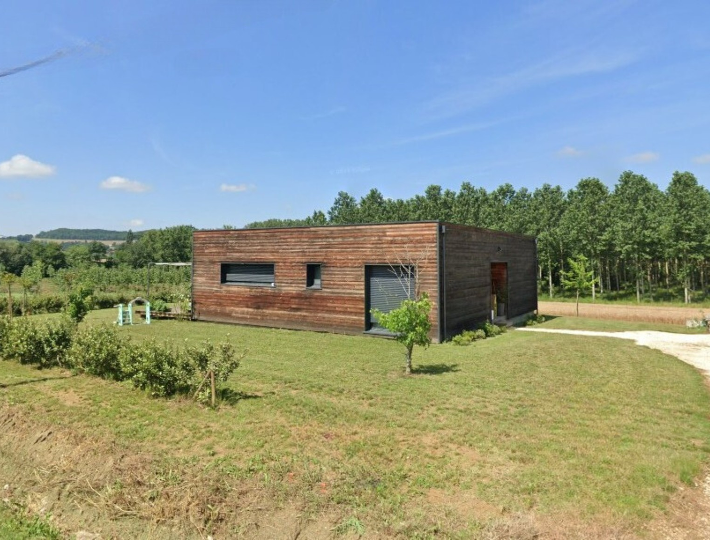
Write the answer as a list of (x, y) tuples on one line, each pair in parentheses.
[(534, 319), (219, 359), (160, 306), (28, 342), (79, 303), (97, 350), (468, 336), (491, 330), (16, 307), (158, 368), (50, 303)]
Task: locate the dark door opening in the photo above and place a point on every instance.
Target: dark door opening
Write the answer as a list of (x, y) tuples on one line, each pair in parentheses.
[(499, 290)]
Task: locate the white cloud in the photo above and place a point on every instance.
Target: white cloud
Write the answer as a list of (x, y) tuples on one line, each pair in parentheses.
[(124, 184), (22, 166), (135, 222), (237, 188), (702, 160), (569, 151), (644, 157)]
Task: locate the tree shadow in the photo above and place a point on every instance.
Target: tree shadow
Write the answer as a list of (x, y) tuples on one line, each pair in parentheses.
[(435, 369), (31, 381), (232, 397)]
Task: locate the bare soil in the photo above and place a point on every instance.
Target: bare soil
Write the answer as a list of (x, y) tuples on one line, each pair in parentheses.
[(653, 314)]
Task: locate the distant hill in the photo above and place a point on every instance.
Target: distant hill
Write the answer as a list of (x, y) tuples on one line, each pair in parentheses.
[(83, 234)]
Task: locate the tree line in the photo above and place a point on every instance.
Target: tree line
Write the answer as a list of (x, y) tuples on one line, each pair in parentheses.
[(638, 239), (172, 244)]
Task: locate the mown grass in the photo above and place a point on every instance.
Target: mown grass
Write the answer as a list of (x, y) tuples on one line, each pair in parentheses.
[(550, 424), (602, 325)]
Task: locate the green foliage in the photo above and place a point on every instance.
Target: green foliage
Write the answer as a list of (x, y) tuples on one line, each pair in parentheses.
[(578, 278), (79, 303), (97, 350), (159, 306), (409, 323), (220, 359), (468, 336), (159, 368), (29, 341), (535, 319), (491, 330)]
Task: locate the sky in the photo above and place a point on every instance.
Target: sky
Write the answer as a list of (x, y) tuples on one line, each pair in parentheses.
[(132, 114)]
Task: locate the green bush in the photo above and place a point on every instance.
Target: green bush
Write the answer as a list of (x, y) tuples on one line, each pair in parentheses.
[(220, 359), (491, 330), (159, 306), (50, 303), (29, 342), (79, 303), (534, 319), (468, 336), (158, 368), (16, 307), (97, 350)]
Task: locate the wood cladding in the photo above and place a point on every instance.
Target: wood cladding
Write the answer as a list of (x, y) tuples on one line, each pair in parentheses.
[(466, 257), (453, 266), (343, 252)]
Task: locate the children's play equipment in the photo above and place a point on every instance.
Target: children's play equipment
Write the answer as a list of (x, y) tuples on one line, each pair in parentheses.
[(125, 313)]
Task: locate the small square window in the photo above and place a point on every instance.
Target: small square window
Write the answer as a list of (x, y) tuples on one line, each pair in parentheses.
[(313, 276)]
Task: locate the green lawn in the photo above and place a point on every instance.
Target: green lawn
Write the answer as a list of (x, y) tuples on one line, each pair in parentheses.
[(568, 427)]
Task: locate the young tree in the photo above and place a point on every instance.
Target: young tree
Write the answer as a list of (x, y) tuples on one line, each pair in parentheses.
[(410, 324), (578, 278), (8, 278)]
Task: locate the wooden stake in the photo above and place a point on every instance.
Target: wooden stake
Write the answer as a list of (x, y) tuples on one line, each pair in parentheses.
[(213, 388)]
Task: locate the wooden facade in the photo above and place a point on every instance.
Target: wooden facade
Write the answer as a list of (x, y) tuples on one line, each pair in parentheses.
[(452, 266)]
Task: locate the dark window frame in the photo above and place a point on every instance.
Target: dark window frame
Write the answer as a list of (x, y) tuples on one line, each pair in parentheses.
[(258, 268), (312, 279)]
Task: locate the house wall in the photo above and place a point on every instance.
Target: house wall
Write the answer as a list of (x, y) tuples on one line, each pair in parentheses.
[(343, 251), (466, 257)]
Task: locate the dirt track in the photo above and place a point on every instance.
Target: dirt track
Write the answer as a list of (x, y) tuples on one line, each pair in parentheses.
[(670, 315)]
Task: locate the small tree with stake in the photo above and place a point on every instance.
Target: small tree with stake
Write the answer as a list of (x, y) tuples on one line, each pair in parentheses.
[(578, 278), (410, 324)]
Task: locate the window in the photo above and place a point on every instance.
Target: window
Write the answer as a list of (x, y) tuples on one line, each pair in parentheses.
[(313, 276), (259, 274)]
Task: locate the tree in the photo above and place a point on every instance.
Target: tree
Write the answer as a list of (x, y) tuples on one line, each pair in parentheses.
[(8, 278), (345, 210), (30, 278), (578, 278), (410, 324)]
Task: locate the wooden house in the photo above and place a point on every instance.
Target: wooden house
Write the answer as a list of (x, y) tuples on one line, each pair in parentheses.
[(329, 278)]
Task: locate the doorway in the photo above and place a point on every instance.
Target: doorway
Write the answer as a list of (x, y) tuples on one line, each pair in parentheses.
[(499, 290)]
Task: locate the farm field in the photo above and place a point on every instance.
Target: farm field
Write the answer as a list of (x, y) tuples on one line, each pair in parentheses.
[(522, 434), (626, 312)]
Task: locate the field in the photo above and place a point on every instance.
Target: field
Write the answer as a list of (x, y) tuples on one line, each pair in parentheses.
[(627, 312), (321, 435)]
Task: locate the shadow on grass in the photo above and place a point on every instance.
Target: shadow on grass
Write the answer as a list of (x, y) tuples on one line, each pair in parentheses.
[(30, 381), (227, 395), (435, 369)]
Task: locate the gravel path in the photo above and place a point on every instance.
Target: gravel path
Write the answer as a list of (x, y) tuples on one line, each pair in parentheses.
[(691, 348)]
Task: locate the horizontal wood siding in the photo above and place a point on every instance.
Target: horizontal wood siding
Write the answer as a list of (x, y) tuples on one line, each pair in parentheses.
[(339, 306), (469, 253)]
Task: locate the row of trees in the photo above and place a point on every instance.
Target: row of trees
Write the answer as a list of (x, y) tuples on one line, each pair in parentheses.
[(173, 244), (635, 236)]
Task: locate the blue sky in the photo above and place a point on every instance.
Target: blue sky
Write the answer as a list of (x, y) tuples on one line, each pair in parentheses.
[(209, 113)]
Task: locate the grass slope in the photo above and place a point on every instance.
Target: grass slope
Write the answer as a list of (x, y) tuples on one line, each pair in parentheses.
[(564, 426)]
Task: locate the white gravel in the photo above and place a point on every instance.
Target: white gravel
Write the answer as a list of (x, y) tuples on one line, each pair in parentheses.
[(691, 348)]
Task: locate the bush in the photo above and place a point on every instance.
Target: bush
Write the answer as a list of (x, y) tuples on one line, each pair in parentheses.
[(468, 336), (79, 303), (109, 300), (50, 303), (159, 306), (28, 342), (534, 319), (16, 307), (219, 359), (491, 330), (160, 369), (97, 350)]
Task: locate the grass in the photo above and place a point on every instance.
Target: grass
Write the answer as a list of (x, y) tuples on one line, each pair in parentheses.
[(602, 325), (567, 426), (17, 527), (661, 298)]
